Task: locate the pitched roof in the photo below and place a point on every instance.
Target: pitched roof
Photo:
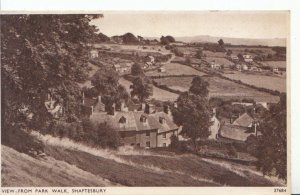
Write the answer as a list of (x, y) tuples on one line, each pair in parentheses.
[(133, 122), (235, 132), (244, 120)]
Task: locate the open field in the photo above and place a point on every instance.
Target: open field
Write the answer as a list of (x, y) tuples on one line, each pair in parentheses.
[(175, 69), (158, 94), (147, 48), (72, 164), (275, 64), (269, 82), (214, 54), (237, 50), (219, 87), (219, 60)]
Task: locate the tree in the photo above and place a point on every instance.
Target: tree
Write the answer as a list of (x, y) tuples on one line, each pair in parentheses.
[(136, 70), (142, 88), (193, 111), (229, 52), (199, 54), (221, 43), (199, 87), (165, 40), (42, 54), (106, 84), (129, 38), (272, 145)]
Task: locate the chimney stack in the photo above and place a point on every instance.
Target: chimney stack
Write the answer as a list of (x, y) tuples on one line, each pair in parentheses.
[(113, 109), (149, 109), (166, 109), (99, 98), (83, 98)]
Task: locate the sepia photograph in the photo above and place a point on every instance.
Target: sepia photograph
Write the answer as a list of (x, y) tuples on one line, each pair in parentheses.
[(145, 99)]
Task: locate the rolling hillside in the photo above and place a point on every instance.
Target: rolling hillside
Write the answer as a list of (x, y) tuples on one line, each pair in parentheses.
[(72, 164)]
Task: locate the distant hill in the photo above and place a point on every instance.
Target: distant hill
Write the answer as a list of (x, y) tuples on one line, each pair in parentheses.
[(234, 41)]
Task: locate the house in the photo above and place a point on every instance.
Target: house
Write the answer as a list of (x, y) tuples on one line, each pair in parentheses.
[(275, 70), (233, 133), (244, 67), (244, 121), (254, 68), (214, 65), (146, 128), (238, 67), (248, 58), (239, 130), (150, 59), (234, 58), (93, 54), (161, 69), (214, 128), (89, 106)]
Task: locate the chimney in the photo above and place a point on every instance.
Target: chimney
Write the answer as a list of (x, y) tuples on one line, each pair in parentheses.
[(99, 98), (214, 111), (92, 109), (175, 105), (143, 106), (150, 108), (83, 98), (113, 109), (124, 108), (166, 109)]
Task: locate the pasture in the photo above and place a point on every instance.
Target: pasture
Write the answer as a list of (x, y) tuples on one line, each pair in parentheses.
[(158, 94), (219, 60), (269, 82), (175, 69), (219, 87), (275, 64)]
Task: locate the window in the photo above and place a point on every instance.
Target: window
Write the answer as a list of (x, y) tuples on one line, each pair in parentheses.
[(138, 145), (164, 145), (132, 144), (162, 120), (122, 120), (148, 133), (143, 119), (148, 144), (164, 135)]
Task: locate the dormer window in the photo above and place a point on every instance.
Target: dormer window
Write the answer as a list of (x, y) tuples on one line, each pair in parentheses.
[(162, 120), (122, 120), (143, 119)]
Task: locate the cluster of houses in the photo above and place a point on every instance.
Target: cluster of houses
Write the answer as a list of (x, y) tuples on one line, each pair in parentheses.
[(142, 125)]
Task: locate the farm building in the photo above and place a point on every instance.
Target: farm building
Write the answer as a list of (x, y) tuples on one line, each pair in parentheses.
[(239, 130), (244, 67), (93, 54), (161, 69), (214, 65), (146, 128), (234, 58), (244, 121), (275, 70), (248, 58)]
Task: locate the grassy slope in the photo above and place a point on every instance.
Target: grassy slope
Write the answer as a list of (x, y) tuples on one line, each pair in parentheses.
[(73, 164), (21, 170)]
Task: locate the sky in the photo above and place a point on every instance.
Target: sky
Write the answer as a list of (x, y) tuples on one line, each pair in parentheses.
[(246, 24)]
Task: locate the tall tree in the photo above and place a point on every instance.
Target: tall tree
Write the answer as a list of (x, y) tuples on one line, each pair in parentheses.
[(221, 43), (199, 87), (193, 111), (136, 70), (42, 54), (142, 88), (272, 145)]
